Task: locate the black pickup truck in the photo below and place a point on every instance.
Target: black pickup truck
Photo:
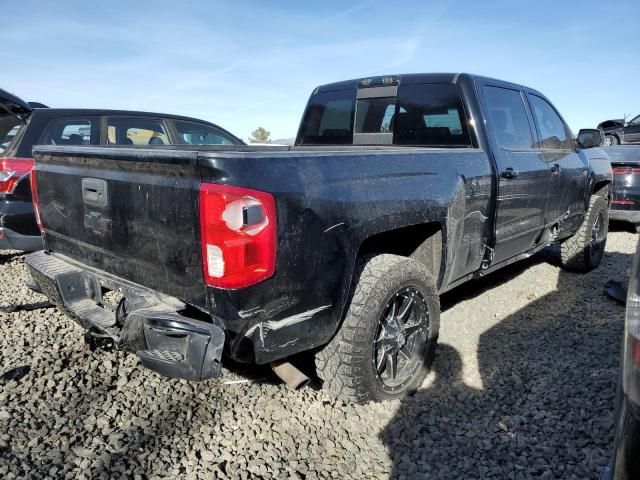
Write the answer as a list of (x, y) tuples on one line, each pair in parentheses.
[(399, 188)]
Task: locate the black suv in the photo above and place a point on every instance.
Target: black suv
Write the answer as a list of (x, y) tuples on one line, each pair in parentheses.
[(22, 126), (620, 132)]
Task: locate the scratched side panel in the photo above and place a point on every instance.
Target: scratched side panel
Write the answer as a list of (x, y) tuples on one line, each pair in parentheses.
[(328, 204), (148, 230)]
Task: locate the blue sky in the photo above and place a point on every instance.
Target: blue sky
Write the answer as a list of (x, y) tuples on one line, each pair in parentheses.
[(245, 64)]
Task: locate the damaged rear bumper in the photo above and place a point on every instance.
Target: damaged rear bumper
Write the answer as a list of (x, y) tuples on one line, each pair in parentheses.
[(143, 321)]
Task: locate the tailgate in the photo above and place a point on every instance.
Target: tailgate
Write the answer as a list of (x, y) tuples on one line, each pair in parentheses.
[(129, 212)]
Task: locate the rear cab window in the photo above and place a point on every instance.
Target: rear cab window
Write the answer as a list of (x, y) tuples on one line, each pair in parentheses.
[(412, 115), (137, 131), (328, 119), (71, 131), (192, 133)]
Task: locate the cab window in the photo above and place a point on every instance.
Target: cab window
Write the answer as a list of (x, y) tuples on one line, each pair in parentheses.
[(70, 131), (508, 117), (137, 131), (328, 119), (192, 133), (554, 134)]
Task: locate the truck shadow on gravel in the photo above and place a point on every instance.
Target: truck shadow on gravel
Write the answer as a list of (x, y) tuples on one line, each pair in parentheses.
[(7, 257), (545, 409)]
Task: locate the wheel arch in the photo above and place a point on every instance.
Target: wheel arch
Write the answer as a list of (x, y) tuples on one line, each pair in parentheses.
[(614, 134), (422, 242), (601, 188)]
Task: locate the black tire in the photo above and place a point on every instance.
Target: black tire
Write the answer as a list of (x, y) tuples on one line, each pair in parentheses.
[(583, 251), (613, 140), (375, 325)]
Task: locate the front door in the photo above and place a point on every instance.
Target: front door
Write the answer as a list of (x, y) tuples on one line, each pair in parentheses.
[(567, 190), (523, 176)]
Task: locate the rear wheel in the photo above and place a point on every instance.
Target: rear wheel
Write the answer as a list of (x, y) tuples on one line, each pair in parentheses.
[(388, 338), (583, 251)]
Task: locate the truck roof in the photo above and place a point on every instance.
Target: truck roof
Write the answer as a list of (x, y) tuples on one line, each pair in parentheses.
[(405, 79)]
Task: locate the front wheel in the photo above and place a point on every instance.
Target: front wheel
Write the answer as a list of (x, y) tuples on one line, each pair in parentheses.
[(583, 251), (387, 341), (611, 140)]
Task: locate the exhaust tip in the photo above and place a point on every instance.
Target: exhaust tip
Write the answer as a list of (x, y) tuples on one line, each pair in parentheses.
[(289, 374)]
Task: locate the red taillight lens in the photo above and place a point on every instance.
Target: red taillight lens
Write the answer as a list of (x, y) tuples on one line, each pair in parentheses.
[(12, 170), (238, 229), (622, 170), (34, 197)]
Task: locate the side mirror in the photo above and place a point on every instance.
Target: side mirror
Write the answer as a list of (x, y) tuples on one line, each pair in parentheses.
[(625, 124), (589, 138)]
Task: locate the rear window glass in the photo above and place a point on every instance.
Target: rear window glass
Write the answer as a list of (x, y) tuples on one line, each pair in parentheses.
[(69, 131), (420, 115), (374, 115), (137, 131), (197, 134), (328, 119), (9, 126), (430, 115)]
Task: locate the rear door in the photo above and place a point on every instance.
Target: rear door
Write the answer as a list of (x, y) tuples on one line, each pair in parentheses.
[(523, 175), (567, 188)]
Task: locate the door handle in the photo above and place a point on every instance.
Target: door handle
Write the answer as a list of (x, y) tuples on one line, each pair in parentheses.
[(510, 172), (555, 168)]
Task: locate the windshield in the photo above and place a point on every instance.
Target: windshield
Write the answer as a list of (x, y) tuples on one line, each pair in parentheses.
[(9, 126)]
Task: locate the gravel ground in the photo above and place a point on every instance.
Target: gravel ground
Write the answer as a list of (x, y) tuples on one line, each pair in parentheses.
[(522, 387)]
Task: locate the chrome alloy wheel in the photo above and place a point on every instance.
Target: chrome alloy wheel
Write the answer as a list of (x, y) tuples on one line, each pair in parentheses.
[(400, 340)]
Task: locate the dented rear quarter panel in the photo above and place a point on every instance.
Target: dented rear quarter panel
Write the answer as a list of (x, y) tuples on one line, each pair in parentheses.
[(328, 204)]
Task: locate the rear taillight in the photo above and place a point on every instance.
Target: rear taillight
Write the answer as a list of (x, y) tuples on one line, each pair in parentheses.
[(238, 230), (12, 170), (623, 170), (35, 198)]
